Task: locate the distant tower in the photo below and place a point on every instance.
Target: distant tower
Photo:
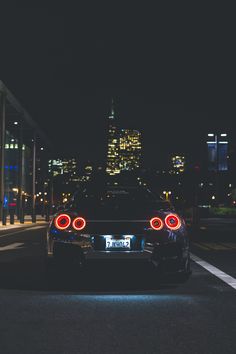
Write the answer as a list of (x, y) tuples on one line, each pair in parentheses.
[(113, 144), (112, 114), (217, 146)]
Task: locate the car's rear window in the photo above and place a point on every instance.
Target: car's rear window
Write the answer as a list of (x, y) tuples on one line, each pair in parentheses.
[(120, 196)]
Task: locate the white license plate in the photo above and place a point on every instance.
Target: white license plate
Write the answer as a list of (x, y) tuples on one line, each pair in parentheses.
[(118, 244)]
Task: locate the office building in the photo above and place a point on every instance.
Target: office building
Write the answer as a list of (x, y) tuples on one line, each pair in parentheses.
[(129, 149), (217, 146), (124, 147)]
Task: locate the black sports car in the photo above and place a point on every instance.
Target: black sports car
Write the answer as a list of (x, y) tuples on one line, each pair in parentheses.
[(120, 222)]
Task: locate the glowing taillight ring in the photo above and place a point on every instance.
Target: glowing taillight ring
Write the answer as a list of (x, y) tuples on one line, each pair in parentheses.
[(79, 223), (175, 225), (156, 223), (62, 225)]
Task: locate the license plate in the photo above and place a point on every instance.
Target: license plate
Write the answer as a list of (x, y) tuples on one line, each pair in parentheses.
[(125, 244)]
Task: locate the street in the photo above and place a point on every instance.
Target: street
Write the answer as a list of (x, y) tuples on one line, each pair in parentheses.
[(113, 307)]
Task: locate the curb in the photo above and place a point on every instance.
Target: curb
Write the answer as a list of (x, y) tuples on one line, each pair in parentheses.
[(18, 226)]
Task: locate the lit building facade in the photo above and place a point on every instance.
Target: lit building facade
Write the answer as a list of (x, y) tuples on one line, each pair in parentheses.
[(70, 169), (86, 173), (124, 148), (129, 149), (177, 164), (66, 167), (65, 177), (22, 143), (217, 148), (12, 169), (113, 167), (55, 167)]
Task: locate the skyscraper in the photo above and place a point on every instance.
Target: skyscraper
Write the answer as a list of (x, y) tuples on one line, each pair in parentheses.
[(113, 144), (124, 147), (130, 149), (217, 146)]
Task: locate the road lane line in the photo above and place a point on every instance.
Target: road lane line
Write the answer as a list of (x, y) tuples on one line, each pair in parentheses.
[(35, 228), (215, 246), (229, 245), (215, 271), (11, 247), (200, 245), (17, 232)]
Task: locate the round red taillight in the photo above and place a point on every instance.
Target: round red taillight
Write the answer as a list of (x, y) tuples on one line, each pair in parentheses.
[(79, 223), (62, 221), (156, 223), (172, 222)]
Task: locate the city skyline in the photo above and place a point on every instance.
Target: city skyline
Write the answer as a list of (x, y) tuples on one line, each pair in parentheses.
[(67, 88)]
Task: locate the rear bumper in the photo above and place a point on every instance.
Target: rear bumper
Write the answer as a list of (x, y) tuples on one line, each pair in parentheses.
[(169, 255), (125, 255)]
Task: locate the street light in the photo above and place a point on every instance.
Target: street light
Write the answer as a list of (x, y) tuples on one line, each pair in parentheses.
[(167, 193)]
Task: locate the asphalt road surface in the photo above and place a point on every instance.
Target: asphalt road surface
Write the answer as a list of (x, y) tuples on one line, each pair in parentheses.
[(114, 308)]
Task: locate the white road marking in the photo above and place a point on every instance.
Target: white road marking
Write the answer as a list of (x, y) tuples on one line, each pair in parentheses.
[(35, 228), (26, 229), (11, 247), (9, 227), (215, 271)]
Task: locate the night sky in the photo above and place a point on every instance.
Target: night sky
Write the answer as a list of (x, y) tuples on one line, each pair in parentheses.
[(168, 69)]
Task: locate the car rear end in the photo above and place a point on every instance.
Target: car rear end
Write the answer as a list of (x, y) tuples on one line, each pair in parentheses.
[(160, 238)]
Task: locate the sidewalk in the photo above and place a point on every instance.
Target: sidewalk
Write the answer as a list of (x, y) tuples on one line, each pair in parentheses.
[(39, 221)]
